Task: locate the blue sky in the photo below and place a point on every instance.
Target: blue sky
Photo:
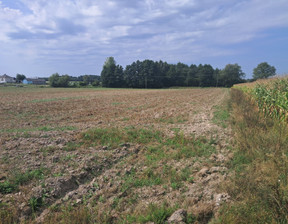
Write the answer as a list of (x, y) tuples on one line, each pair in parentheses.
[(40, 37)]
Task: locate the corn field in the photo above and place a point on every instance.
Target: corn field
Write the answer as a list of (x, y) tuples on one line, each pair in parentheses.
[(272, 98)]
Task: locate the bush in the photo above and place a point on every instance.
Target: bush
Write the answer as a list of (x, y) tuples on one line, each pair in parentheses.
[(56, 80)]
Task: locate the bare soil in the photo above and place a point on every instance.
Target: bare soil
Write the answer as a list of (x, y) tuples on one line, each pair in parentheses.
[(40, 128)]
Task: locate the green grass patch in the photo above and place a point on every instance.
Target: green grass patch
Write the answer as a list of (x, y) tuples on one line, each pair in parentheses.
[(71, 146), (157, 144), (6, 187), (221, 116), (154, 213), (114, 137), (18, 178), (35, 203), (43, 128), (117, 103), (141, 179)]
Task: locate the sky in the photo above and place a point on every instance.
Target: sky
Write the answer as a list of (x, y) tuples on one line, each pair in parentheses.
[(74, 37)]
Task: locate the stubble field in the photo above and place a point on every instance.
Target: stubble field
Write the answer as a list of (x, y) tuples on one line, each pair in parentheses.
[(112, 156)]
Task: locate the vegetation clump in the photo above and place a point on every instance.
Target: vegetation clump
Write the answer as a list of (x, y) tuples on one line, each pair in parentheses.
[(259, 187)]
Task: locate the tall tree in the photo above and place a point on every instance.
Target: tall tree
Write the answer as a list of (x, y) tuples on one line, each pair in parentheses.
[(118, 77), (132, 74), (56, 80), (205, 75), (20, 78), (162, 71), (182, 71), (171, 76), (192, 79), (231, 74), (263, 71), (108, 72)]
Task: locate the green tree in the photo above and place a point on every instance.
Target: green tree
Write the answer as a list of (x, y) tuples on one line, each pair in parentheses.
[(205, 75), (182, 71), (56, 80), (86, 79), (20, 78), (112, 75), (263, 71), (230, 75), (192, 79)]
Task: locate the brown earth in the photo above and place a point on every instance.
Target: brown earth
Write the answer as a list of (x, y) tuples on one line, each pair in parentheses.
[(41, 128)]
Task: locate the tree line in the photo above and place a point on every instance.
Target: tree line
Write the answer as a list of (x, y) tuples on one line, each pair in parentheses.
[(57, 80), (159, 74)]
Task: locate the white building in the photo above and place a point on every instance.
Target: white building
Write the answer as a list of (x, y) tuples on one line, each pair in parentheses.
[(6, 79)]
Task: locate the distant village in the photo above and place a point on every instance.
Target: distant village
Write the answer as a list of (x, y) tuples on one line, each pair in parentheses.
[(6, 79)]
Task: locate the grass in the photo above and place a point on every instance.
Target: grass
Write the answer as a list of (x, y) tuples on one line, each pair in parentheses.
[(114, 137), (18, 178), (221, 114), (119, 197), (259, 188), (155, 214), (138, 180), (6, 187), (8, 214), (157, 144), (43, 128), (35, 203)]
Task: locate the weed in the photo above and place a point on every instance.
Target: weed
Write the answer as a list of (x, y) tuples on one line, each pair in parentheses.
[(6, 187), (260, 185), (117, 103), (114, 137), (176, 185), (137, 180), (156, 214), (116, 202), (221, 115), (17, 178), (60, 174), (185, 174), (8, 214), (102, 199), (22, 178), (191, 180), (26, 131), (35, 203), (71, 146), (5, 158)]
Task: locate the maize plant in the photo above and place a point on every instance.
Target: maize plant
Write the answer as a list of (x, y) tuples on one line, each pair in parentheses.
[(272, 99)]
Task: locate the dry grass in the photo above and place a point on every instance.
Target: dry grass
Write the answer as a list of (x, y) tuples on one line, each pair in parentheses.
[(259, 187)]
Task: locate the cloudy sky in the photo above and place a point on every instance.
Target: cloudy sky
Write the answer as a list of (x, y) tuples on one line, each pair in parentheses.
[(41, 37)]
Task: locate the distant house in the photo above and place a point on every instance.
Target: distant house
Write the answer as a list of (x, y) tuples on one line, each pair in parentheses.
[(34, 81), (7, 79)]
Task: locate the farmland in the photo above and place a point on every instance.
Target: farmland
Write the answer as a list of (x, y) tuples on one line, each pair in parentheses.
[(112, 156), (259, 185)]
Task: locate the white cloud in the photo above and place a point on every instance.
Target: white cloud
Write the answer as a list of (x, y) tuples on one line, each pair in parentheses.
[(70, 28)]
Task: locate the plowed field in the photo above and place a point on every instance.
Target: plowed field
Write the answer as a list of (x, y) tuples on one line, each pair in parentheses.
[(110, 154)]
